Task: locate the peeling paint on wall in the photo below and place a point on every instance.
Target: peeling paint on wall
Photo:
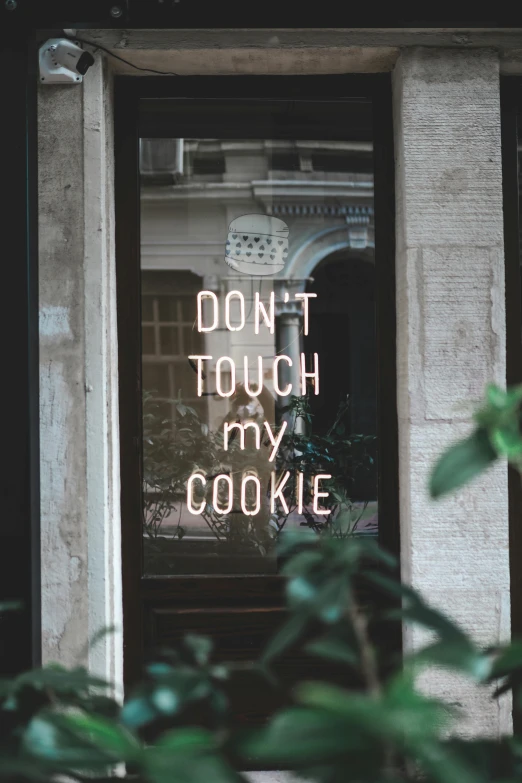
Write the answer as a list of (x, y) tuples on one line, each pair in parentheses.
[(54, 322), (62, 586)]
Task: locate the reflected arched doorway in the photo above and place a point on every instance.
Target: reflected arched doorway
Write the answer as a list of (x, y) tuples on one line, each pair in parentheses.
[(342, 332)]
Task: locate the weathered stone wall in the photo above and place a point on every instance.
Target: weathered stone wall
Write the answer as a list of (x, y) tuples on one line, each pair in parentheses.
[(451, 341), (81, 570), (62, 375)]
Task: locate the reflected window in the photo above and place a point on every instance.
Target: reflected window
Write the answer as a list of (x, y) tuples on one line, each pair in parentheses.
[(258, 349)]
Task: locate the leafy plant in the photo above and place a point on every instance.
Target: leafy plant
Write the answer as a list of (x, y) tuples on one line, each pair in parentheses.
[(385, 731), (58, 722), (496, 434), (347, 457), (174, 450)]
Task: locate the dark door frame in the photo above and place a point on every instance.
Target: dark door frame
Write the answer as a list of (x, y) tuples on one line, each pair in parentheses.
[(129, 91), (20, 631), (152, 14), (511, 111)]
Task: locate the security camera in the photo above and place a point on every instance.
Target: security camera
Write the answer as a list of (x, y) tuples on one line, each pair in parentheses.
[(62, 61)]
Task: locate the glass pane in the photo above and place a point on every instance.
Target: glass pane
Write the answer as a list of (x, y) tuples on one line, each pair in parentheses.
[(188, 309), (147, 308), (185, 382), (189, 339), (156, 380), (267, 301), (148, 343), (169, 309), (169, 340)]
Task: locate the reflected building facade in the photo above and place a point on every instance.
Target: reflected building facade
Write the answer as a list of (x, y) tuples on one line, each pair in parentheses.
[(192, 190)]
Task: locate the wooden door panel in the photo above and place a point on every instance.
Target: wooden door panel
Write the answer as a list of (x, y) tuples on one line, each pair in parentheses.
[(238, 633), (210, 590)]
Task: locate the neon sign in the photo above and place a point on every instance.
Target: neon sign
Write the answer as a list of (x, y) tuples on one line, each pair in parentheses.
[(234, 320), (260, 311)]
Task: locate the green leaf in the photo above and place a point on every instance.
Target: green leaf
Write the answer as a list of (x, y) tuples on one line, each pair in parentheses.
[(292, 540), (15, 768), (461, 463), (459, 655), (441, 765), (334, 649), (298, 737), (52, 739), (59, 680), (160, 767), (287, 635), (419, 613), (400, 713), (189, 740), (501, 404), (220, 672), (159, 669), (300, 591), (507, 660), (174, 686), (328, 697), (507, 441), (138, 711), (416, 610), (371, 551), (496, 397), (187, 756), (165, 700), (41, 738), (302, 563), (200, 646), (104, 734), (454, 649)]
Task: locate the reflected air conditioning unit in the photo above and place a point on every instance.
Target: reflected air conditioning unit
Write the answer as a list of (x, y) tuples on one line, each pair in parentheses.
[(162, 159)]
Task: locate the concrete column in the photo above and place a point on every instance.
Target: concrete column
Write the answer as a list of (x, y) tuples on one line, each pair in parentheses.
[(81, 549), (289, 329), (450, 343), (290, 325)]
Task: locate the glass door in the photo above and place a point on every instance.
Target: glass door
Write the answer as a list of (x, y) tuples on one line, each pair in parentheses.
[(258, 360)]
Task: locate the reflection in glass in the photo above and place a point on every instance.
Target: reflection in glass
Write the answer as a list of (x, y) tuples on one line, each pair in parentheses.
[(241, 447)]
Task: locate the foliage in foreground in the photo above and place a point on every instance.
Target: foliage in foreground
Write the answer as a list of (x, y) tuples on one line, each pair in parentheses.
[(62, 722), (497, 434)]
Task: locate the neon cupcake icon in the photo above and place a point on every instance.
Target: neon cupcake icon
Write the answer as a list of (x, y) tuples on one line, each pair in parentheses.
[(257, 244)]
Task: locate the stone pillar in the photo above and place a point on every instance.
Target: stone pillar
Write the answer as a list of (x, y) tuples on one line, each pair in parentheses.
[(289, 329), (81, 547), (450, 343)]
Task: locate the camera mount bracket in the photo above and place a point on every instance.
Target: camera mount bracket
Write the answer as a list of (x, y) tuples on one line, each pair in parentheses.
[(63, 62)]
